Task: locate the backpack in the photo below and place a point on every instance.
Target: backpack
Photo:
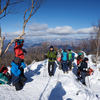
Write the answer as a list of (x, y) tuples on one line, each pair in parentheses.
[(5, 77), (64, 56)]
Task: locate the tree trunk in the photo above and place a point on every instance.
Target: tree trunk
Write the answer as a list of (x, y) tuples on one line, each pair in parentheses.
[(97, 56)]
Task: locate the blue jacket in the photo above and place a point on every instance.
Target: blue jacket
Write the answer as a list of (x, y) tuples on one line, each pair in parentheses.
[(15, 68), (16, 72), (64, 56)]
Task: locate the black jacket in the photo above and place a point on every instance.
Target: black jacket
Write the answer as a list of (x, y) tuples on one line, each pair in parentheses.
[(83, 66)]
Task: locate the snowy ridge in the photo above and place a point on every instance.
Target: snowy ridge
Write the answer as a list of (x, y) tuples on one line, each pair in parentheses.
[(58, 87)]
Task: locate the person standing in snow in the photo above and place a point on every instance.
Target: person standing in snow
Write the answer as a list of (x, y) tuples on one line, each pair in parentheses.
[(84, 69), (64, 61), (18, 65), (52, 54), (19, 52), (79, 60), (70, 58)]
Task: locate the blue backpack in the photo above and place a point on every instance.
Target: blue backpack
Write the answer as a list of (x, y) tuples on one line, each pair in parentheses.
[(64, 56)]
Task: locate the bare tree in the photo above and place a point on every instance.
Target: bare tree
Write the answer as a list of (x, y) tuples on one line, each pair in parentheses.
[(6, 9), (33, 8), (9, 7), (35, 4), (96, 39), (97, 42)]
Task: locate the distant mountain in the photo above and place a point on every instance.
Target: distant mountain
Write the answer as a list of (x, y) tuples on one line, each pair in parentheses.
[(60, 43)]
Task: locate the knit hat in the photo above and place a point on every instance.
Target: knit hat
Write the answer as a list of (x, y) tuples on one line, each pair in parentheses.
[(86, 59), (51, 46)]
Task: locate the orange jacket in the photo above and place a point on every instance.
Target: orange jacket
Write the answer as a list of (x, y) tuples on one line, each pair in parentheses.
[(78, 61), (18, 51)]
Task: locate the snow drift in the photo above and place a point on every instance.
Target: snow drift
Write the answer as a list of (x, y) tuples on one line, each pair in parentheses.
[(58, 87)]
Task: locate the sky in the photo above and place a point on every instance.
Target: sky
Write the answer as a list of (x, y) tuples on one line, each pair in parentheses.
[(55, 19)]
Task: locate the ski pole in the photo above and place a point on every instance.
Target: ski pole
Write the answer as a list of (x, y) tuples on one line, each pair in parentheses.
[(88, 81), (44, 72)]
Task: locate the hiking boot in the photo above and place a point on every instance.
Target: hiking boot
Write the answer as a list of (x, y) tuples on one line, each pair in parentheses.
[(13, 84), (78, 79), (21, 84), (84, 83), (67, 72), (64, 71)]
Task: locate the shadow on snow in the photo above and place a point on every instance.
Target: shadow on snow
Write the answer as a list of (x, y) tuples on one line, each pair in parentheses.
[(75, 69), (32, 73), (57, 93)]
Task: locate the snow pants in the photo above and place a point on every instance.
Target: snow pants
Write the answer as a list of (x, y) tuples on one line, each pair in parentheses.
[(69, 64), (18, 85), (83, 75), (65, 67), (51, 68)]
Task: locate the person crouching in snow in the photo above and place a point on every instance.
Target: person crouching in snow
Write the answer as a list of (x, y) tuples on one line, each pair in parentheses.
[(17, 75), (18, 65), (64, 61), (52, 54), (84, 69)]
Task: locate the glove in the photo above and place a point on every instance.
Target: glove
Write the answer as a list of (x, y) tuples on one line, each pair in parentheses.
[(45, 56), (50, 58), (85, 69), (56, 53), (21, 68), (24, 50), (54, 58)]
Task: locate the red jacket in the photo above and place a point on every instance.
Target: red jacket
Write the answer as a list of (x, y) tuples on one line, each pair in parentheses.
[(18, 51)]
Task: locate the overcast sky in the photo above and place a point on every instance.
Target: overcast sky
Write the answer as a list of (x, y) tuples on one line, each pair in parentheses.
[(55, 19)]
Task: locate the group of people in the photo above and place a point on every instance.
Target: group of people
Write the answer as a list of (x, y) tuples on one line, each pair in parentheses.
[(67, 58)]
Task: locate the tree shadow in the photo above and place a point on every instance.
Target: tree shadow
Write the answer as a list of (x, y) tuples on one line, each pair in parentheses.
[(57, 93), (30, 73)]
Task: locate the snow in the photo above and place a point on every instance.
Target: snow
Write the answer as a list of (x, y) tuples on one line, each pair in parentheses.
[(58, 87)]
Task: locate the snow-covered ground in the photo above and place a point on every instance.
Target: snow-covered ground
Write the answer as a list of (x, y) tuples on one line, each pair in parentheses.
[(40, 86)]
